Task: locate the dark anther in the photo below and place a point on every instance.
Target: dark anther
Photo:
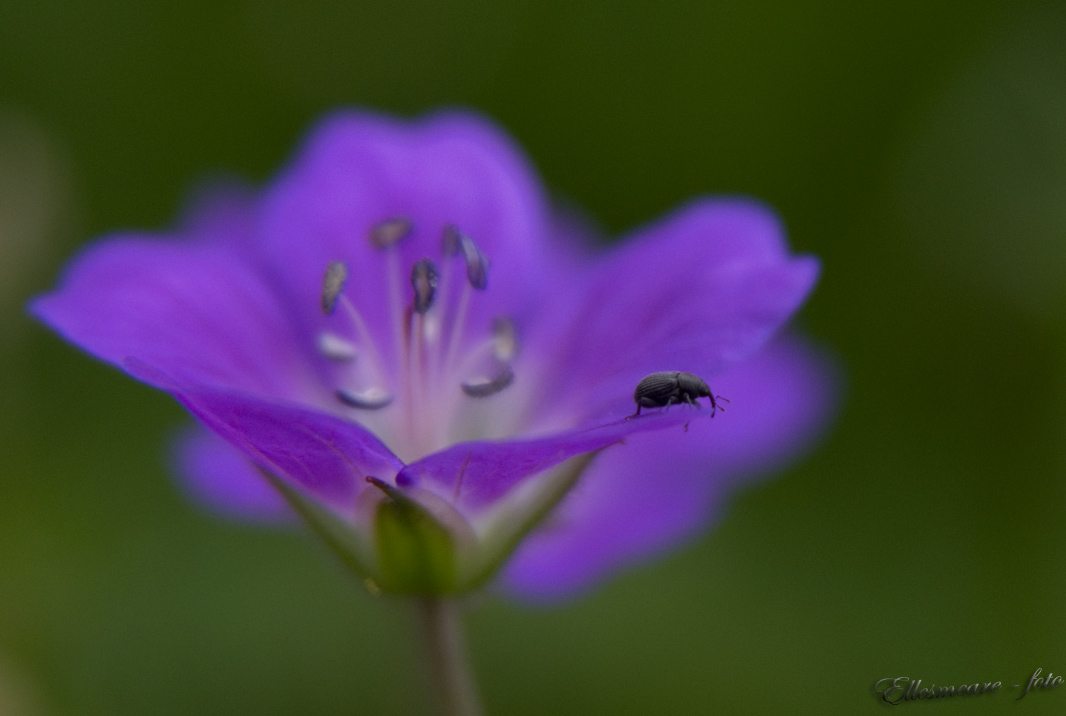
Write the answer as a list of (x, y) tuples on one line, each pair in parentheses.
[(424, 281), (451, 240), (369, 399), (390, 231), (477, 266), (504, 340), (332, 285), (483, 388)]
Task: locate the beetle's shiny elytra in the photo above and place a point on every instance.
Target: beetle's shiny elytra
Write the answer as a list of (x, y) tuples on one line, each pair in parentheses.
[(661, 390)]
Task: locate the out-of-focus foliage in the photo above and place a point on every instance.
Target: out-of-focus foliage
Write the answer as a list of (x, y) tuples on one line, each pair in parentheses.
[(918, 149), (34, 208)]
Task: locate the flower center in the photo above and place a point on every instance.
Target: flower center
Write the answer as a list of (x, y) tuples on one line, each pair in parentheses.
[(421, 383)]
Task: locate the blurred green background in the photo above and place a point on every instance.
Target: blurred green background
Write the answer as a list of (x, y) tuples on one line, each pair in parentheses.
[(919, 149)]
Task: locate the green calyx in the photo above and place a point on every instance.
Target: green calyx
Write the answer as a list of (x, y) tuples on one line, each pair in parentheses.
[(412, 542), (416, 553)]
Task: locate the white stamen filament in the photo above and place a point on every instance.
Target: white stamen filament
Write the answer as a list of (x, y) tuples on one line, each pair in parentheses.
[(396, 309), (376, 363), (420, 416), (435, 321), (458, 326), (435, 394)]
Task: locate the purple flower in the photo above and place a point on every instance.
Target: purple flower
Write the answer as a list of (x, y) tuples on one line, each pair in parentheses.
[(399, 338)]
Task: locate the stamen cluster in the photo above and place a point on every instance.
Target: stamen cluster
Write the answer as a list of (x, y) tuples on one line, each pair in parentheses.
[(437, 364)]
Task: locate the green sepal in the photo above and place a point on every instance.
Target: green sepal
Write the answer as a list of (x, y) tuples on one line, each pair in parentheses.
[(511, 524), (416, 553), (339, 536)]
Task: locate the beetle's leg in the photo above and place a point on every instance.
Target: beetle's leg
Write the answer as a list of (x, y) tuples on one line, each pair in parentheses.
[(630, 417)]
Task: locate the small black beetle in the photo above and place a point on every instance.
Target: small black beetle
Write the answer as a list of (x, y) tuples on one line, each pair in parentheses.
[(661, 390)]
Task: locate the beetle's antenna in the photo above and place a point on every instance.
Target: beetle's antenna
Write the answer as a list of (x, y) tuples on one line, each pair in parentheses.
[(715, 407)]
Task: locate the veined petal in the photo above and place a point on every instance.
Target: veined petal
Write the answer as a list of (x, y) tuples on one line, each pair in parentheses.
[(220, 477), (359, 169), (194, 308), (473, 475), (638, 499), (698, 293), (322, 455)]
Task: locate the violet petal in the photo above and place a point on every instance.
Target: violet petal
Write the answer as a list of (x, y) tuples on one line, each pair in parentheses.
[(641, 498), (475, 474), (224, 480), (193, 310), (358, 169), (698, 292), (325, 456)]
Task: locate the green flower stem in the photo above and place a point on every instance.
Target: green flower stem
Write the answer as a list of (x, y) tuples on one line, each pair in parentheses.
[(442, 640)]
